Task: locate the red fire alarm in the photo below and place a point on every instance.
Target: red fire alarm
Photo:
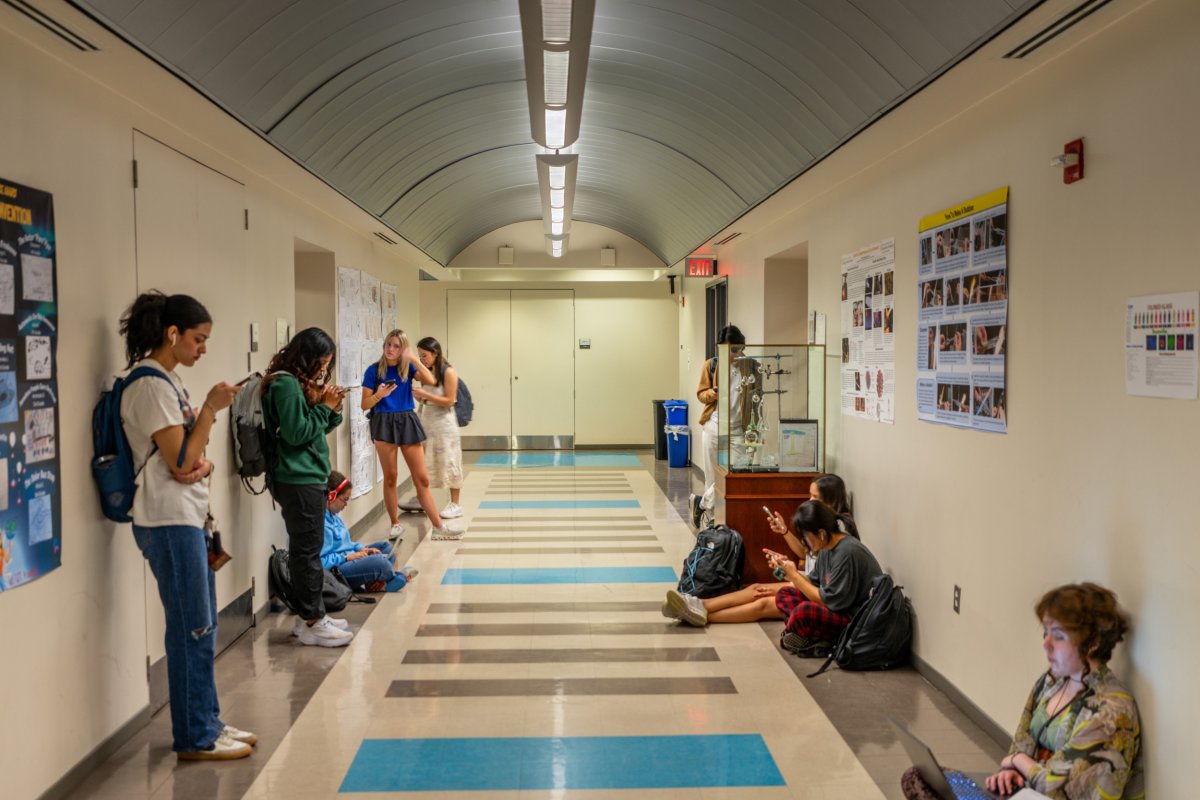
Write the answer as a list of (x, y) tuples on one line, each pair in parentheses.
[(1072, 161)]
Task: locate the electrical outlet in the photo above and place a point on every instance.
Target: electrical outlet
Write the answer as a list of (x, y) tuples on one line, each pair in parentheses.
[(957, 597)]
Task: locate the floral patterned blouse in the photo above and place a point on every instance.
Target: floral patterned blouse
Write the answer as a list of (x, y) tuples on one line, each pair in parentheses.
[(1091, 750)]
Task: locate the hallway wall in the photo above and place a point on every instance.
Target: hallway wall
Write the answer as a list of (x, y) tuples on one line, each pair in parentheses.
[(1089, 483), (633, 328), (75, 647)]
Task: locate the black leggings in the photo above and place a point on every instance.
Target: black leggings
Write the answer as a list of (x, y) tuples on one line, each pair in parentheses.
[(304, 517)]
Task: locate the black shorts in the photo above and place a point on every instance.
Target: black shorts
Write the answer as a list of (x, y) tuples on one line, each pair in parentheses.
[(397, 427)]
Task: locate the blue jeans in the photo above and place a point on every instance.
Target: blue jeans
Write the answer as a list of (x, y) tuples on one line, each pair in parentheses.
[(369, 569), (187, 587)]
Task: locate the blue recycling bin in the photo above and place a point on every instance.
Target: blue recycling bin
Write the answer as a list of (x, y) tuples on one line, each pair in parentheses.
[(676, 412), (678, 441)]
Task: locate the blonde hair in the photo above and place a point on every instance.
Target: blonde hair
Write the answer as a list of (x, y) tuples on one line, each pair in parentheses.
[(381, 367)]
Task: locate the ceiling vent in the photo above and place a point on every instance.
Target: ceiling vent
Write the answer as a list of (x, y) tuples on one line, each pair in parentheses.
[(52, 25), (727, 239), (608, 256), (1055, 29), (384, 237), (505, 256)]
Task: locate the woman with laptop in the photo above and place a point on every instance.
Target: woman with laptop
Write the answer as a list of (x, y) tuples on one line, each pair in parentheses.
[(1079, 737)]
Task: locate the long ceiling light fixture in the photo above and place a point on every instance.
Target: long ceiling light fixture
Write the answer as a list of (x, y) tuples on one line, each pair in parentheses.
[(556, 35)]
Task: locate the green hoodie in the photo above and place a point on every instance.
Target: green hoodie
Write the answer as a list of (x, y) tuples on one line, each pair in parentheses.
[(298, 432)]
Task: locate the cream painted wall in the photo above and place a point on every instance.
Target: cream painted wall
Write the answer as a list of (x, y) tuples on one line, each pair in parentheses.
[(74, 665), (1089, 484), (635, 344), (785, 301)]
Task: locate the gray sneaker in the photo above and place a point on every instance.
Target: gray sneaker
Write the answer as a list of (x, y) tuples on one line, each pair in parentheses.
[(446, 534), (689, 609), (669, 612)]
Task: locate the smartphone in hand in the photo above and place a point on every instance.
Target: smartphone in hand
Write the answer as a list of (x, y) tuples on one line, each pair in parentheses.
[(770, 514)]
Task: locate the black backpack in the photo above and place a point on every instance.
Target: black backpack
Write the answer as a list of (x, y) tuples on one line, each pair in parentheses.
[(879, 635), (335, 592), (714, 566)]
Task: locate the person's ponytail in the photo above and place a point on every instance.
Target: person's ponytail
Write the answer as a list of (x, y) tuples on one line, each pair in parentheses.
[(145, 322)]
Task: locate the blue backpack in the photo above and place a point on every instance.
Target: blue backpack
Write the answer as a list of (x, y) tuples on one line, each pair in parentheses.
[(112, 460)]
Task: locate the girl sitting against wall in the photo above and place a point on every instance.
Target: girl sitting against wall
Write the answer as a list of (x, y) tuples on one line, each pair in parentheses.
[(817, 606), (367, 568)]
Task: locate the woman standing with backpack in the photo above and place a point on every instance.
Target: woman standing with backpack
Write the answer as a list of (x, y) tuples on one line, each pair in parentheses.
[(388, 396), (299, 409), (443, 445), (167, 438)]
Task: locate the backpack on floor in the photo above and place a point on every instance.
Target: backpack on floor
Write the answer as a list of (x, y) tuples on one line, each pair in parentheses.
[(879, 635), (112, 460), (715, 564), (335, 591), (251, 445)]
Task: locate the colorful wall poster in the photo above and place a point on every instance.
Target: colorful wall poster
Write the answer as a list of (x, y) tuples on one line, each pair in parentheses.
[(1160, 345), (962, 317), (30, 504), (868, 332)]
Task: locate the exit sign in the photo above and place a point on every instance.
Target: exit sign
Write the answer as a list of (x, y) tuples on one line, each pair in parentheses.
[(701, 267)]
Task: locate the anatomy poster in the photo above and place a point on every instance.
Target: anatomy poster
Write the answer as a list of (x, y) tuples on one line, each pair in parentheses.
[(868, 332), (962, 328), (30, 505)]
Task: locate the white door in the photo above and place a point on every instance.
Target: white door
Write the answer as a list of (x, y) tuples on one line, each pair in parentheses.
[(543, 368), (191, 239), (477, 344)]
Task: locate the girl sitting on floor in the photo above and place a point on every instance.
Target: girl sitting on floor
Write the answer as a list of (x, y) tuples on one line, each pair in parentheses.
[(367, 568), (817, 607)]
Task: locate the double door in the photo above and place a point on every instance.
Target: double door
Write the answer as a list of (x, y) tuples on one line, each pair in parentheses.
[(515, 349)]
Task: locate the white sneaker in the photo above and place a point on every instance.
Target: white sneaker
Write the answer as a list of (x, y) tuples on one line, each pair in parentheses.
[(245, 737), (447, 534), (337, 623), (408, 572), (452, 511), (325, 634), (396, 533), (411, 504), (223, 749), (687, 608)]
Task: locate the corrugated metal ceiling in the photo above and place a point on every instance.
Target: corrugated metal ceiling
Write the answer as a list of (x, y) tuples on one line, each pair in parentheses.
[(694, 111)]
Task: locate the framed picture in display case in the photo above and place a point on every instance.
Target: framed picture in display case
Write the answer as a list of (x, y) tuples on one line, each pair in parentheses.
[(799, 445)]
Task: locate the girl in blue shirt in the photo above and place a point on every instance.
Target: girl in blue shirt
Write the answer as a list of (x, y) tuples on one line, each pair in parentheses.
[(388, 396), (366, 568)]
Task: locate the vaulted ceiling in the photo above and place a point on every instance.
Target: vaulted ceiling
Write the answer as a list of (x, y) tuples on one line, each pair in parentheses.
[(694, 110)]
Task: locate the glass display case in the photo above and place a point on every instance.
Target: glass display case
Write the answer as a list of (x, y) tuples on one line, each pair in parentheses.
[(771, 407)]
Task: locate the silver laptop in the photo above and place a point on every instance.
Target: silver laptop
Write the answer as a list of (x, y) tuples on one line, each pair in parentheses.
[(948, 784)]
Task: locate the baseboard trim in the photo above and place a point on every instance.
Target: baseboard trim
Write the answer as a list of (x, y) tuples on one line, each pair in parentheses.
[(77, 774), (976, 714), (642, 446)]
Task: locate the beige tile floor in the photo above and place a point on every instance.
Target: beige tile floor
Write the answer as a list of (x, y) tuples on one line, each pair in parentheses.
[(313, 708)]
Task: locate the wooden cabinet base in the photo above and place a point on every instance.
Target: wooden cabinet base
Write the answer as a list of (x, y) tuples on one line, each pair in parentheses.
[(743, 496)]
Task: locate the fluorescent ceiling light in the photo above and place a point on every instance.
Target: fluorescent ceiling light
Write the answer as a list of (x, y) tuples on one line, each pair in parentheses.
[(556, 127), (556, 215), (555, 66), (556, 228), (558, 177), (556, 21), (558, 197), (556, 249)]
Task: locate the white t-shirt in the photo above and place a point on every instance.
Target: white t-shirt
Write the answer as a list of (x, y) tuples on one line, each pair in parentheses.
[(149, 405)]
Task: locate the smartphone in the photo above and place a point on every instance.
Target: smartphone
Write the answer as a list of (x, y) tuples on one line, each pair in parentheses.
[(388, 383), (769, 513)]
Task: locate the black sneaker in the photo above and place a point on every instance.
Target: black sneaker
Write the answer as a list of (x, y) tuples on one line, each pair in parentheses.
[(804, 647), (697, 511)]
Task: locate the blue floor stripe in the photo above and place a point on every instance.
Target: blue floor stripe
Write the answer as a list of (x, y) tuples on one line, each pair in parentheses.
[(552, 763), (559, 504), (527, 575), (558, 459)]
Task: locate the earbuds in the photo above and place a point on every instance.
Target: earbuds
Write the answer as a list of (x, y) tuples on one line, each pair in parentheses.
[(173, 338)]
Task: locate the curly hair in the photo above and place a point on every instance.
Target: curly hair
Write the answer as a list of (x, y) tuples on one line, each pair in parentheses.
[(1090, 614)]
